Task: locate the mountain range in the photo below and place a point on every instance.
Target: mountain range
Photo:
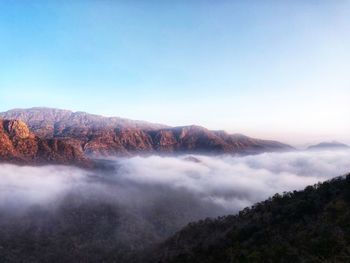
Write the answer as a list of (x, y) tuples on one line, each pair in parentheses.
[(62, 136), (328, 146)]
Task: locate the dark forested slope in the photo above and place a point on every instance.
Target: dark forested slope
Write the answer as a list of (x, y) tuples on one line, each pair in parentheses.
[(312, 225)]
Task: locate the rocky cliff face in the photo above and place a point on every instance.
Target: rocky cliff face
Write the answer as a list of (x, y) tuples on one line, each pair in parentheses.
[(63, 136), (19, 145)]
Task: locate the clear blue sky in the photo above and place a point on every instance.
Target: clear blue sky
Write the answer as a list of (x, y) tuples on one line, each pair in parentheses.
[(271, 69)]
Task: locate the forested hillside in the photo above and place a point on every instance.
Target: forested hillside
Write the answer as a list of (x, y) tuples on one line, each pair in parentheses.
[(312, 225)]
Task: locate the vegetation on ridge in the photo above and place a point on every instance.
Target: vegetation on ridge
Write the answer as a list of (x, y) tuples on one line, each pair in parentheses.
[(312, 225)]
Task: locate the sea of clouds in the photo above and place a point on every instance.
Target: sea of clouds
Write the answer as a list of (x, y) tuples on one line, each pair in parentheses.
[(237, 182), (222, 184), (132, 204)]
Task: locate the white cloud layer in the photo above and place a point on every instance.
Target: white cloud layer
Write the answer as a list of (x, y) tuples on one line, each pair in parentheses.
[(230, 183), (24, 185), (236, 182)]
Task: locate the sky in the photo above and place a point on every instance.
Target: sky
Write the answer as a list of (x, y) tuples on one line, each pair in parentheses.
[(268, 69)]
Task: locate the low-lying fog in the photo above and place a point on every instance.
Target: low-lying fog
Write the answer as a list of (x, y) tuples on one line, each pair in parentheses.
[(230, 183), (146, 199)]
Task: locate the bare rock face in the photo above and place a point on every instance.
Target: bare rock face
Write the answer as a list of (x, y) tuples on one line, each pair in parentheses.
[(17, 128), (19, 145)]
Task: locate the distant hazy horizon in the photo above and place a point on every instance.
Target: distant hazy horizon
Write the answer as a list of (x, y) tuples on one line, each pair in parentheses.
[(265, 69)]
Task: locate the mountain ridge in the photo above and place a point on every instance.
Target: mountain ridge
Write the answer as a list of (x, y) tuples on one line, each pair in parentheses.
[(94, 135), (56, 119)]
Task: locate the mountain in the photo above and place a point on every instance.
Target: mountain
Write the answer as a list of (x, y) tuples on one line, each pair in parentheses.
[(312, 225), (45, 135), (328, 145), (99, 135), (19, 145)]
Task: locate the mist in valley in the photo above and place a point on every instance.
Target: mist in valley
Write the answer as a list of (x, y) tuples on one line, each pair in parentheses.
[(114, 215)]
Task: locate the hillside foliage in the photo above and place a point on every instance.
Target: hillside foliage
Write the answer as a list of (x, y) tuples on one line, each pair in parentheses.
[(312, 225)]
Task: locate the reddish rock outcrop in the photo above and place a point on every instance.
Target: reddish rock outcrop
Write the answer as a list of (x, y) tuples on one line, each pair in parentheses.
[(19, 145)]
